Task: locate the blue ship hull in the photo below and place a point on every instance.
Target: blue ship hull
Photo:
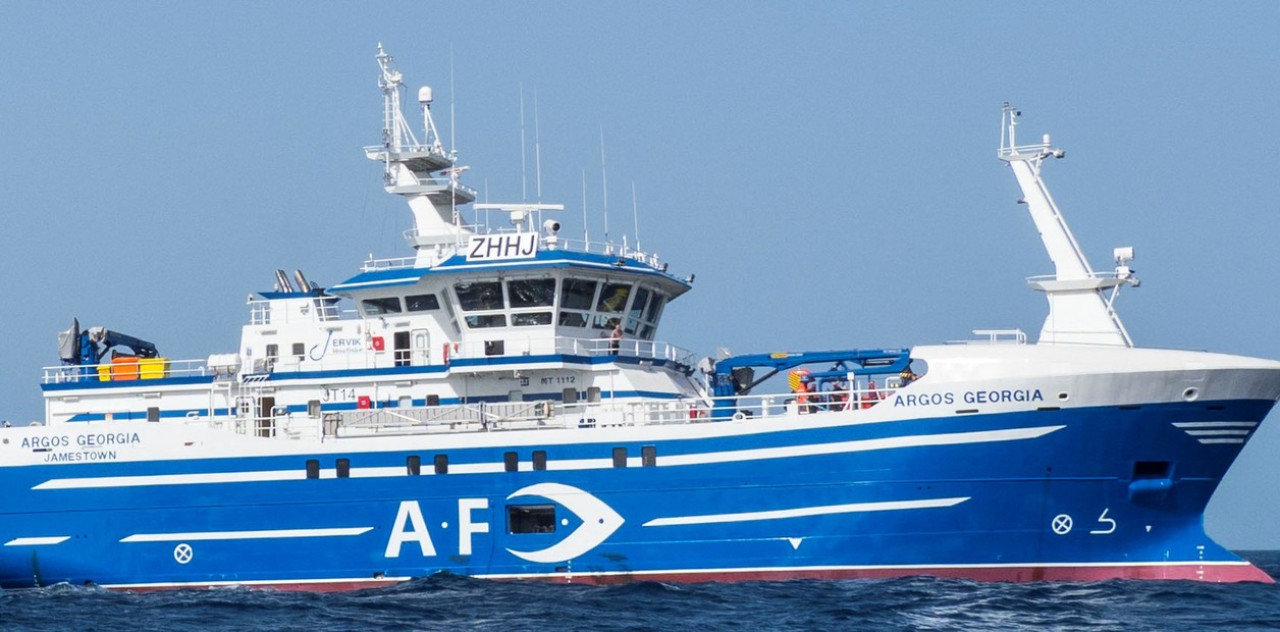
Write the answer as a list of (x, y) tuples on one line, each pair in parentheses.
[(1084, 493)]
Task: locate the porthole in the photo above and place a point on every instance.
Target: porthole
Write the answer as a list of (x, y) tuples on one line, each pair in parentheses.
[(1063, 396), (1191, 393)]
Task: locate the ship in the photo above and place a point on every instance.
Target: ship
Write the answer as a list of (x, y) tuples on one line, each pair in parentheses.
[(498, 404)]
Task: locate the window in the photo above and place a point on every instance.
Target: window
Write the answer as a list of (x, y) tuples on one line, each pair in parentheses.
[(313, 468), (619, 457), (539, 460), (344, 468), (637, 308), (510, 462), (442, 464), (613, 298), (531, 292), (376, 306), (535, 318), (299, 351), (153, 413), (400, 346), (531, 518), (473, 297), (655, 308), (413, 465), (421, 302), (573, 319), (577, 294), (649, 456), (486, 320), (313, 408)]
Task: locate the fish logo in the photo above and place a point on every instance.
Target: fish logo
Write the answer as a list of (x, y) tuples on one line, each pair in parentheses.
[(599, 521)]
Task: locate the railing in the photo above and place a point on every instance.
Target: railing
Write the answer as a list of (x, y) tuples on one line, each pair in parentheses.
[(553, 243), (130, 374), (546, 414), (603, 248), (994, 337), (262, 312), (544, 345)]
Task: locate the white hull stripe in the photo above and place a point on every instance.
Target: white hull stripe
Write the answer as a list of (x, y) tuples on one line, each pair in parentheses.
[(40, 541), (731, 456), (1216, 424), (1237, 430), (245, 535), (864, 445), (750, 516)]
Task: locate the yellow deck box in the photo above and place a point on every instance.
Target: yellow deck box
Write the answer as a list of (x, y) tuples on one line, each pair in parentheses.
[(153, 368), (104, 372)]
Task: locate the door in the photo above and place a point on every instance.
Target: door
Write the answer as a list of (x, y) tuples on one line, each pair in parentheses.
[(421, 347), (265, 424)]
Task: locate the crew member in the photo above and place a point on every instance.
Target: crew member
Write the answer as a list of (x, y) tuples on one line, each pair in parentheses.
[(906, 377), (615, 336), (872, 396)]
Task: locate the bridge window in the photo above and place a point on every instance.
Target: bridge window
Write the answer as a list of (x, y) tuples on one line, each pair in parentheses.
[(613, 298), (422, 302), (486, 320), (531, 292), (655, 308), (577, 294), (376, 306), (531, 518), (573, 319), (534, 318), (637, 308), (473, 297)]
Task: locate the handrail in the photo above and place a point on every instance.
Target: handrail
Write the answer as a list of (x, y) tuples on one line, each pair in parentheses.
[(130, 374), (548, 414)]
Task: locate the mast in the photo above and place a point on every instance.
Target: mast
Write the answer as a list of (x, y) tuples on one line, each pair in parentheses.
[(1080, 311), (422, 172)]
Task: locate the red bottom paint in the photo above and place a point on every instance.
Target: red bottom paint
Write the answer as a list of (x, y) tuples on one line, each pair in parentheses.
[(1216, 573)]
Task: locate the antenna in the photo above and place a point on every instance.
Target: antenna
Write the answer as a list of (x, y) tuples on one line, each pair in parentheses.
[(453, 139), (604, 185), (537, 154), (524, 195), (586, 235), (537, 145), (635, 214)]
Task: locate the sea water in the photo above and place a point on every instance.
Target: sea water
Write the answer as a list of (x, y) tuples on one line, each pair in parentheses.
[(457, 603)]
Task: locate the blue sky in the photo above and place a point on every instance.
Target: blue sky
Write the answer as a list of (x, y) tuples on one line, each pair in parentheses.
[(826, 169)]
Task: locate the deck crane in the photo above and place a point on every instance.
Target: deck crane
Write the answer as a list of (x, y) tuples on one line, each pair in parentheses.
[(88, 347)]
